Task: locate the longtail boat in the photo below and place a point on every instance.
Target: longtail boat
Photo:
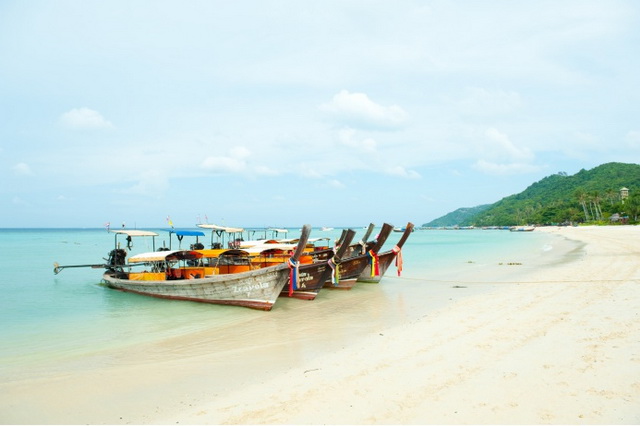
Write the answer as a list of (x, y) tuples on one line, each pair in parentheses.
[(363, 244), (233, 236), (179, 275), (349, 269), (374, 274), (312, 276), (181, 233)]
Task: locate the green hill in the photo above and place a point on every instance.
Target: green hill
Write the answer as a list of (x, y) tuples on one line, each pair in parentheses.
[(461, 215), (587, 196)]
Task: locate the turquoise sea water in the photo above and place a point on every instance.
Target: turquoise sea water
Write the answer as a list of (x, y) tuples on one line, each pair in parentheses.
[(62, 321)]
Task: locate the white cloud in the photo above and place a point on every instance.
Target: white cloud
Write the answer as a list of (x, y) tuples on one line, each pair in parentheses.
[(492, 168), (232, 163), (152, 183), (84, 118), (500, 156), (358, 110), (22, 169), (311, 173), (265, 171), (224, 165), (348, 137), (335, 183), (500, 146), (402, 172), (240, 152)]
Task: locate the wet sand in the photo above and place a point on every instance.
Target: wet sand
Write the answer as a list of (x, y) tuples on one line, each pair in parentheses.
[(535, 341)]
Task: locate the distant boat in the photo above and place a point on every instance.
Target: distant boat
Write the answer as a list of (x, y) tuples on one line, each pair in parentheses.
[(324, 228), (402, 229), (522, 228)]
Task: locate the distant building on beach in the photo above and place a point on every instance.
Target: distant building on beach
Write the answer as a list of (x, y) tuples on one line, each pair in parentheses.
[(616, 218)]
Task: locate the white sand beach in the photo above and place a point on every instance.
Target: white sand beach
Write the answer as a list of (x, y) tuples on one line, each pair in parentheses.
[(552, 345)]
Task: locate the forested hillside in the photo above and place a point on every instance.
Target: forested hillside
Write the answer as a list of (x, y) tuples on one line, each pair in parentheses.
[(461, 215), (588, 196)]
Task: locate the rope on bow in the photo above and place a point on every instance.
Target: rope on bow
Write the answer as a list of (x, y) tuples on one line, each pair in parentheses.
[(363, 245), (335, 272), (293, 276), (375, 263), (398, 251)]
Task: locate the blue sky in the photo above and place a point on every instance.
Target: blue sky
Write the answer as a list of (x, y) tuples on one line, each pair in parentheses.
[(280, 113)]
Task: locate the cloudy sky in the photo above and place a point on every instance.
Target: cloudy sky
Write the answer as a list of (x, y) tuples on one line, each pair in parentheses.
[(280, 113)]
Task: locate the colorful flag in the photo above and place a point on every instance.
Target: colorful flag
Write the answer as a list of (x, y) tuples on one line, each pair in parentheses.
[(375, 263), (293, 276)]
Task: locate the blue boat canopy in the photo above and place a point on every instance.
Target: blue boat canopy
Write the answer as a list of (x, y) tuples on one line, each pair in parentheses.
[(185, 233)]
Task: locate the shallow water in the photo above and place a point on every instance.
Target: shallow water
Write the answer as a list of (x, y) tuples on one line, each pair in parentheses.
[(54, 323)]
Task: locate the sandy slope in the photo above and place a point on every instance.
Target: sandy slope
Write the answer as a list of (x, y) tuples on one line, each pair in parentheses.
[(562, 346)]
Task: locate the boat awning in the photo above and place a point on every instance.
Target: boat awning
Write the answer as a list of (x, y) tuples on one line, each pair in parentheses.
[(160, 256), (134, 232), (278, 230), (268, 247), (185, 233), (223, 252), (310, 240), (220, 228)]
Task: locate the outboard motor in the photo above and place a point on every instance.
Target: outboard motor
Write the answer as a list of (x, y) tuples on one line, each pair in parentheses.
[(117, 257)]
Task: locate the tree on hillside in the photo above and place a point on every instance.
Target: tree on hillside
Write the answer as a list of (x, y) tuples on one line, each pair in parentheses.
[(582, 197), (559, 198), (632, 207), (595, 201), (611, 195)]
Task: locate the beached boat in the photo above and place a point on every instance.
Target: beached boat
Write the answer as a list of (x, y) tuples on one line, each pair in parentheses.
[(522, 228), (221, 234), (363, 244), (350, 268), (317, 248), (180, 275), (374, 271), (312, 276), (181, 233)]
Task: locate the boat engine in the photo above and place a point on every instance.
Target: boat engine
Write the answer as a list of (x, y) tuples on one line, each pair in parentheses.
[(117, 257)]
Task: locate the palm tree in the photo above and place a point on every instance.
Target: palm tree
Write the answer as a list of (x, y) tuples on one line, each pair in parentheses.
[(581, 195), (595, 199)]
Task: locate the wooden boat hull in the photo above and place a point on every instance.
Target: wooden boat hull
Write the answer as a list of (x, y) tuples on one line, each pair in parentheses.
[(311, 279), (350, 269), (384, 261), (257, 289)]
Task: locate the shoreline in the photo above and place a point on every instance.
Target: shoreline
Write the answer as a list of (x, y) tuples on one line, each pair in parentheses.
[(556, 344)]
